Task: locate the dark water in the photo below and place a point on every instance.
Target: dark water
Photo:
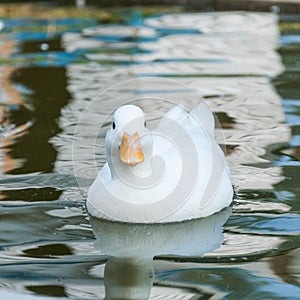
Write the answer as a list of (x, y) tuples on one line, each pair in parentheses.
[(53, 73)]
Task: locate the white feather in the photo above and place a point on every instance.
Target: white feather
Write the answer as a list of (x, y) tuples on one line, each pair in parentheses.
[(189, 174)]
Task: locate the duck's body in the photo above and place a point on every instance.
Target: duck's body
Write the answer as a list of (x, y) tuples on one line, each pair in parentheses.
[(174, 173)]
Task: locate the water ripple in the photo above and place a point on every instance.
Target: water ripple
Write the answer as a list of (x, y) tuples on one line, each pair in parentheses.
[(51, 72)]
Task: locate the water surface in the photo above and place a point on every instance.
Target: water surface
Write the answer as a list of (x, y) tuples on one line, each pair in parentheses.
[(54, 72)]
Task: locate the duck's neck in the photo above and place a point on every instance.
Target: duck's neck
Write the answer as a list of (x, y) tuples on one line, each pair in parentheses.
[(121, 171)]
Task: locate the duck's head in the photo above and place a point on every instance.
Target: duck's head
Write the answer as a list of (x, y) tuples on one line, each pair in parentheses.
[(128, 142)]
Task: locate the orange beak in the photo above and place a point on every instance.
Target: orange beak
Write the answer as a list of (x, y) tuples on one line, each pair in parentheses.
[(131, 151)]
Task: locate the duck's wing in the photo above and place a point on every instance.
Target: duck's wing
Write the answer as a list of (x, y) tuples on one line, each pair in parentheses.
[(202, 116), (199, 120), (169, 129), (192, 135)]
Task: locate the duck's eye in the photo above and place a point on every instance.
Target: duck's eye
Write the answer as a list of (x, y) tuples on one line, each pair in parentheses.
[(145, 124), (113, 125)]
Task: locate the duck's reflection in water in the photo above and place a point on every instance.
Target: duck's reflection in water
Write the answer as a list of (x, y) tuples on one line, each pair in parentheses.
[(129, 272)]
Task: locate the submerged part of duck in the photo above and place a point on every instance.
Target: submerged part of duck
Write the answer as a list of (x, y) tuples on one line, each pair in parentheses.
[(174, 173)]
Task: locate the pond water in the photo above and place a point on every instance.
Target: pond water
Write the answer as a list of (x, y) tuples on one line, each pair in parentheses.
[(60, 82)]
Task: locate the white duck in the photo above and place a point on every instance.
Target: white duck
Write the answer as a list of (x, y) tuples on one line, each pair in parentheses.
[(173, 173)]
